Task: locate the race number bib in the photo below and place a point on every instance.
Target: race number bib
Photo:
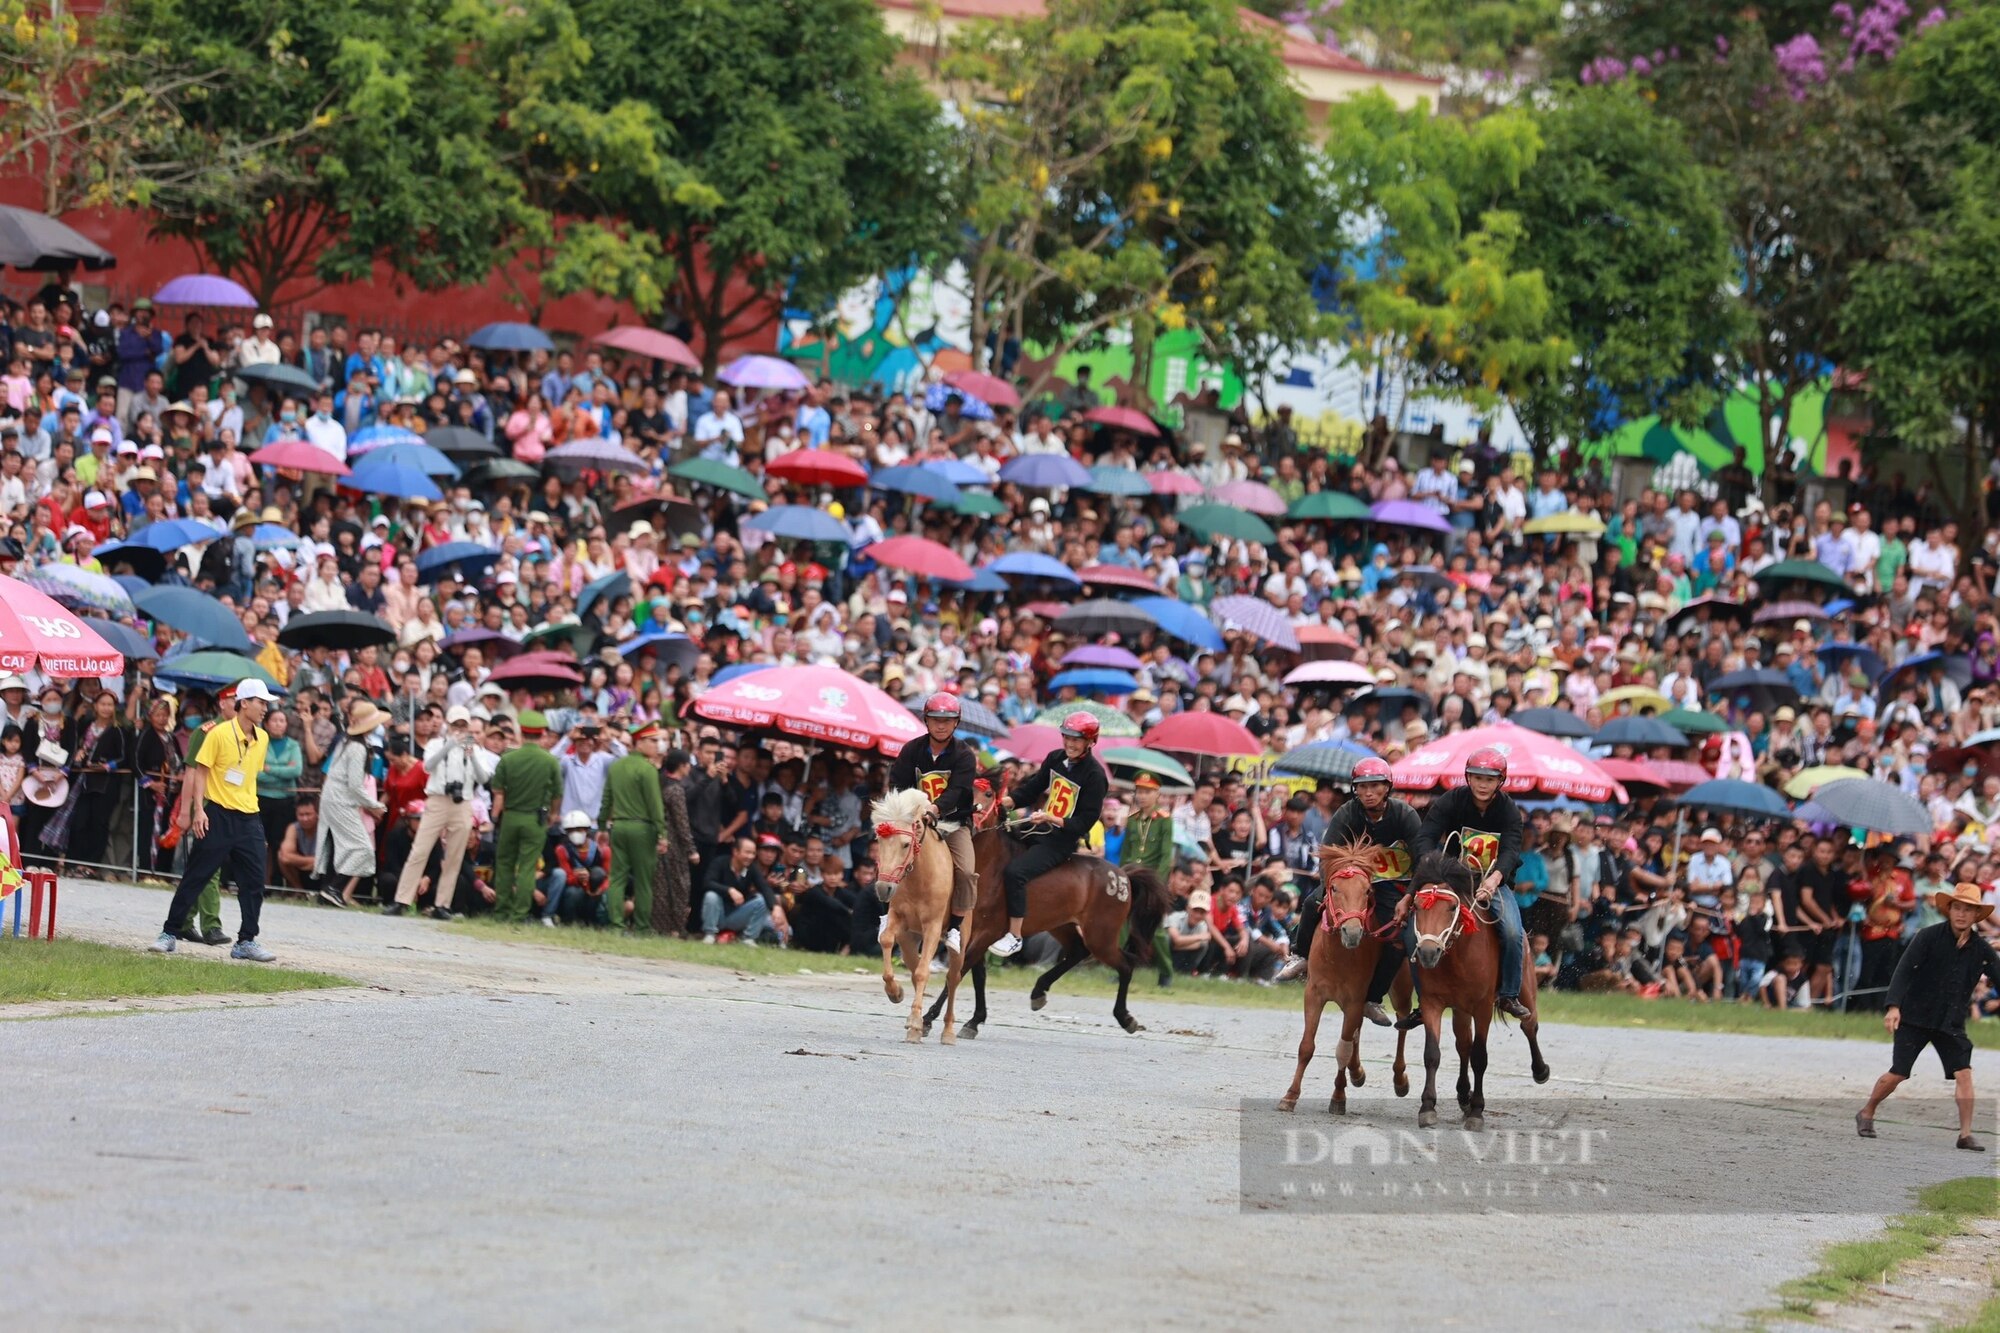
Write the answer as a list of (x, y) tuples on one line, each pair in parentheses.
[(933, 784), (1062, 798), (1393, 863), (1479, 849)]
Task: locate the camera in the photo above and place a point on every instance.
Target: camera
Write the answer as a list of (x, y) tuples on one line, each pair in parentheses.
[(455, 790)]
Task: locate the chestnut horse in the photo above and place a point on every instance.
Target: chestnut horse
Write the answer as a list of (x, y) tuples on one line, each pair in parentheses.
[(1083, 903), (1341, 974), (911, 855), (1459, 953)]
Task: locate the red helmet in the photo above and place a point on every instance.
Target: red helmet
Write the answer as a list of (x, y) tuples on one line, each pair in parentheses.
[(1080, 724), (941, 705), (1486, 763), (1371, 770)]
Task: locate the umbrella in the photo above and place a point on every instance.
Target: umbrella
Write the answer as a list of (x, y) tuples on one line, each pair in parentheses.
[(670, 648), (510, 336), (486, 471), (1807, 781), (1139, 758), (31, 240), (1535, 763), (1798, 571), (1178, 620), (150, 565), (1424, 577), (982, 580), (343, 630), (425, 458), (1768, 688), (1110, 721), (1330, 760), (122, 638), (1215, 520), (1639, 731), (1044, 471), (1047, 610), (1203, 733), (130, 586), (1384, 699), (595, 454), (799, 523), (1558, 722), (1698, 724), (1254, 496), (610, 587), (1568, 804), (649, 343), (978, 503), (1633, 773), (1095, 680), (170, 534), (818, 467), (492, 642), (1409, 514), (1680, 772), (197, 615), (1122, 418), (1864, 659), (1983, 738), (299, 456), (1780, 611), (374, 437), (461, 442), (37, 633), (1957, 669), (535, 673), (970, 407), (1101, 655), (1117, 576), (277, 375), (1110, 479), (979, 720), (1333, 506), (1736, 797), (1569, 522), (919, 555), (1173, 481), (1726, 607), (205, 289), (763, 372), (213, 669), (1104, 615), (1258, 617), (912, 479), (986, 388), (1032, 565), (404, 480), (1643, 698), (714, 472), (1325, 641), (573, 635), (1876, 806), (1033, 741), (1330, 673), (820, 703), (957, 471), (729, 673), (80, 588), (470, 558)]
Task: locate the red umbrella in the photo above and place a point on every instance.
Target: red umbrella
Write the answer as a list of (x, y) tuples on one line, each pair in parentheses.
[(988, 389), (1046, 610), (649, 342), (1172, 481), (1324, 641), (819, 467), (820, 703), (920, 555), (1535, 763), (1031, 742), (1680, 772), (1202, 733), (35, 631), (300, 456), (1122, 418), (1633, 773), (532, 671), (1117, 576)]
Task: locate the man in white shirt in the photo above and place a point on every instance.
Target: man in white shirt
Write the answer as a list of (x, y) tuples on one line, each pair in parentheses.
[(258, 349), (1934, 560), (1709, 871), (324, 430), (1436, 486), (1864, 545), (719, 432)]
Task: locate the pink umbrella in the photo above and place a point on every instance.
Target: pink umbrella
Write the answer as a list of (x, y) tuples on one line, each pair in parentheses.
[(1122, 418), (1331, 673), (1031, 742), (1203, 733), (300, 456), (1535, 763), (1680, 772), (35, 631), (819, 703), (820, 467), (1254, 496), (537, 670), (1117, 576), (1172, 481), (988, 389), (1633, 773), (1324, 641), (649, 342), (920, 555)]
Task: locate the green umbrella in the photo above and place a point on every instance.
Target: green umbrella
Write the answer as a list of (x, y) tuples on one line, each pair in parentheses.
[(977, 503), (1329, 505), (1798, 571), (714, 472), (1110, 721), (212, 667), (1148, 761), (1214, 521), (1686, 719), (498, 469), (578, 638)]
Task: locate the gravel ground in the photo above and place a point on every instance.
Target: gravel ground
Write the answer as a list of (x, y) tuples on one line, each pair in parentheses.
[(499, 1136)]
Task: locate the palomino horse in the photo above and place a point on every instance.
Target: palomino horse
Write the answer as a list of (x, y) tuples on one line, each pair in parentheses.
[(1083, 903), (1460, 958), (1342, 974), (911, 855)]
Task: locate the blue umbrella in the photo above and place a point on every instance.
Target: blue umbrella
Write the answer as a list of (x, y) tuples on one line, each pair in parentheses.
[(1957, 669), (510, 337), (420, 455), (1044, 471), (1034, 565), (729, 673), (405, 481), (615, 584), (370, 438), (1558, 722), (1187, 623), (124, 638), (669, 647), (1106, 479), (912, 480), (470, 557), (195, 614), (170, 534), (1864, 658), (132, 585), (958, 472), (1096, 680), (983, 580), (1737, 797), (972, 409), (270, 536), (799, 523)]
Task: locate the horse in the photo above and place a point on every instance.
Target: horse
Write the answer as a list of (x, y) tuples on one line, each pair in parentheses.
[(1342, 974), (1083, 903), (1461, 963), (911, 856)]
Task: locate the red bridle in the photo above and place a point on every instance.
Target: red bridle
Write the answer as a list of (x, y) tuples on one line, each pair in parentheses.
[(1333, 916), (915, 833), (1464, 922)]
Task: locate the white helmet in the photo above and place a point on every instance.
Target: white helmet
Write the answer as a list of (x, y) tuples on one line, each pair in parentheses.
[(575, 819)]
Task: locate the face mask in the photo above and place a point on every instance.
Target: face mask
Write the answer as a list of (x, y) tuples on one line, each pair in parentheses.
[(192, 720), (288, 416), (578, 838)]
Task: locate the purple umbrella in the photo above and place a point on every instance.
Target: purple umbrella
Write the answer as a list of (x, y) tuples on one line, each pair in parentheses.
[(1409, 514), (1257, 616), (1254, 496), (1101, 655), (1043, 471), (204, 289), (763, 372), (595, 454), (1797, 610)]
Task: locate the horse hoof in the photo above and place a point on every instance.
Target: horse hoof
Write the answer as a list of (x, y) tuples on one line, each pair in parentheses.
[(1475, 1123), (1288, 1103), (1036, 1001), (949, 1038), (914, 1035), (1357, 1075), (895, 994), (1427, 1119), (969, 1031), (1130, 1024), (1402, 1086), (1541, 1073), (1336, 1107)]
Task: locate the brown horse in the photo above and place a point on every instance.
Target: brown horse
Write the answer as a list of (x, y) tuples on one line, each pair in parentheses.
[(911, 855), (1083, 903), (1342, 974), (1460, 957)]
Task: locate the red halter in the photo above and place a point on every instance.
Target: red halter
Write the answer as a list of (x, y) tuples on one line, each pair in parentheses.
[(915, 833)]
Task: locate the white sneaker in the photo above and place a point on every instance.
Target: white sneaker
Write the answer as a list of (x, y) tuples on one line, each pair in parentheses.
[(1006, 946), (952, 942), (708, 939), (548, 921)]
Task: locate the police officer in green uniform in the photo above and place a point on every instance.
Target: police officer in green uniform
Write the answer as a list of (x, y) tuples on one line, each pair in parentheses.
[(1149, 842), (526, 784), (637, 820)]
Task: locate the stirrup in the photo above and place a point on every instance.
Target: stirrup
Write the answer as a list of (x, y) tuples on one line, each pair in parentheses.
[(1410, 1021)]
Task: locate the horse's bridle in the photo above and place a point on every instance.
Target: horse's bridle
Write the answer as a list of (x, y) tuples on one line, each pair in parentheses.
[(916, 833), (1333, 917), (1462, 920)]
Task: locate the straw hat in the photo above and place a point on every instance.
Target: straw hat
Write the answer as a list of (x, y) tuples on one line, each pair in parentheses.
[(1969, 894), (365, 718)]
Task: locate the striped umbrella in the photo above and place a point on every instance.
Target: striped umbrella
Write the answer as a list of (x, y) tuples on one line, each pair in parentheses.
[(1258, 617)]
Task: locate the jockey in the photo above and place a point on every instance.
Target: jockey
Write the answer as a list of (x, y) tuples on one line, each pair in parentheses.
[(1487, 825), (1071, 785), (1390, 823), (941, 766)]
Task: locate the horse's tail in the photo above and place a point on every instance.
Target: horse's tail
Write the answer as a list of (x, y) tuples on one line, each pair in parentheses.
[(1150, 903)]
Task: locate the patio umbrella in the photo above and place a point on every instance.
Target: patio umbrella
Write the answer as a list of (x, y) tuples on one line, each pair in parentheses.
[(799, 523), (279, 376), (1558, 722), (971, 407), (1876, 806), (763, 372), (1214, 520), (80, 589), (1328, 760), (1095, 680), (1330, 506), (1122, 418), (1256, 616), (36, 241), (820, 703), (1330, 673), (1111, 722), (1104, 615), (1807, 781), (1044, 471), (605, 587), (1409, 514), (1639, 731), (425, 458), (714, 472), (134, 646), (197, 615), (595, 454), (343, 630), (1032, 741), (1695, 724), (510, 336), (1032, 565), (649, 343), (170, 534), (469, 558), (1792, 610), (213, 670), (35, 633), (1101, 655), (406, 481), (919, 555), (1797, 571), (1733, 796), (1535, 763), (1178, 620), (1117, 576), (1109, 479), (818, 467), (1142, 760), (299, 456), (1254, 496), (1173, 481), (1203, 733), (987, 388), (205, 289), (460, 442), (911, 479), (1570, 522)]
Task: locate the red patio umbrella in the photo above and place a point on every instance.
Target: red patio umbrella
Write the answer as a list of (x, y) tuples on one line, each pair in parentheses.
[(1117, 576), (649, 342), (300, 456), (819, 703), (819, 467), (36, 631), (1535, 763), (920, 555), (1122, 418), (1202, 733), (988, 389)]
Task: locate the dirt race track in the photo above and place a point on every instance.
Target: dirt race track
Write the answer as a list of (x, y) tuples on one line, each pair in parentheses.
[(501, 1136)]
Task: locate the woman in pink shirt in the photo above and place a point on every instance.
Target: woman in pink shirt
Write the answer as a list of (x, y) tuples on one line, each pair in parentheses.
[(528, 430)]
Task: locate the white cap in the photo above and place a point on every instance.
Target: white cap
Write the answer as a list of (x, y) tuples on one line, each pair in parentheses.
[(102, 435), (252, 688), (456, 715), (95, 500), (261, 322), (493, 688), (151, 452), (128, 447)]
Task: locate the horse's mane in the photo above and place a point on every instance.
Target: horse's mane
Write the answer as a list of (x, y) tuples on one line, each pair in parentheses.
[(1438, 868), (898, 807), (1361, 857)]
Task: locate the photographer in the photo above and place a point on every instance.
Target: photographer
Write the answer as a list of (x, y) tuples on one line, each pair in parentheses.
[(456, 764)]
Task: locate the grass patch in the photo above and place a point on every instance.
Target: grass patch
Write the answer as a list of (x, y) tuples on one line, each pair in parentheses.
[(72, 969), (1943, 1210), (1985, 1320)]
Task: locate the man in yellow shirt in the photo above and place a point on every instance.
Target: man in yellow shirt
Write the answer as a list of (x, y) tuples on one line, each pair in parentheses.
[(222, 795)]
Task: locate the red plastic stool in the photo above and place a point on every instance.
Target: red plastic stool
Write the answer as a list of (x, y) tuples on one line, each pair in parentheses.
[(40, 882)]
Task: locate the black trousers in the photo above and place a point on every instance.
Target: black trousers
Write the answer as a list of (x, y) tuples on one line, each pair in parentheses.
[(235, 839), (1039, 857)]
